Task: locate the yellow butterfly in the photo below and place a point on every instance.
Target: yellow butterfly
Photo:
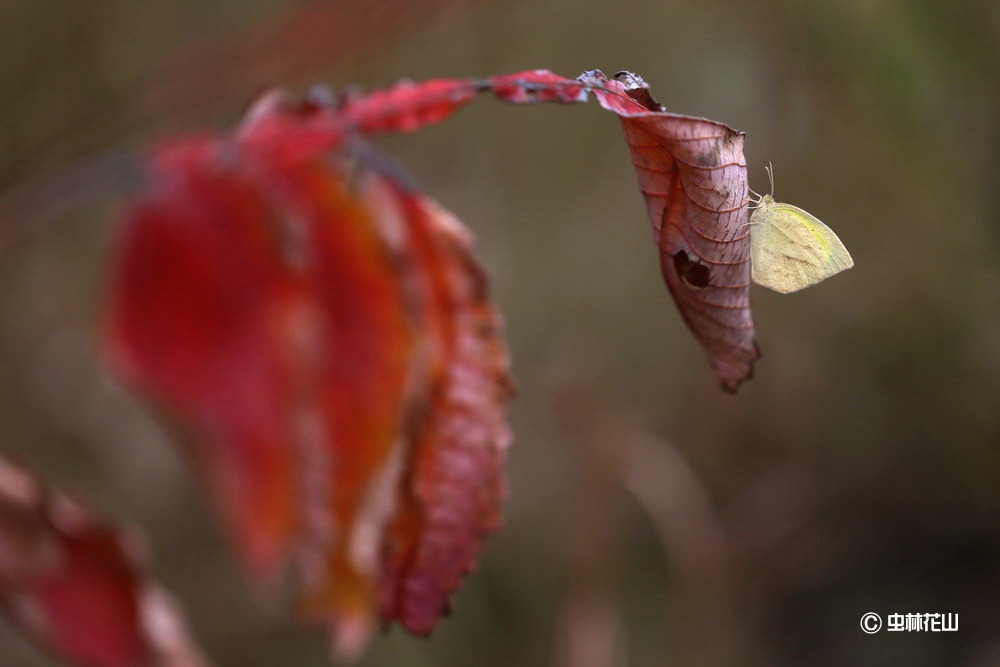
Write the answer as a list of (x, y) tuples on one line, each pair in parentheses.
[(790, 248)]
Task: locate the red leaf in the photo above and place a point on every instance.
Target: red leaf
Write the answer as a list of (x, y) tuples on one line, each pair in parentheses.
[(408, 106), (199, 308), (454, 484), (328, 344), (534, 86), (353, 358), (75, 584)]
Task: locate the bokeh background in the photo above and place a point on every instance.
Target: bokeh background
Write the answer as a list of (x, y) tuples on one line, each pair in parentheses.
[(652, 519)]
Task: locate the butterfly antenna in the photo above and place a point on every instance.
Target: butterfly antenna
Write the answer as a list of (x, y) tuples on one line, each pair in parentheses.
[(770, 177)]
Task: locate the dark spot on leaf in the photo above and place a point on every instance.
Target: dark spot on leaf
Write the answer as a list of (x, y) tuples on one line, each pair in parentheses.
[(710, 159), (694, 274)]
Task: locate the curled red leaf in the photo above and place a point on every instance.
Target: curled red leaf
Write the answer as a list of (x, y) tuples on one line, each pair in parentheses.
[(693, 176)]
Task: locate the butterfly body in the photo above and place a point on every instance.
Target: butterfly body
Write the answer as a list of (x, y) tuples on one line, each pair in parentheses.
[(791, 249)]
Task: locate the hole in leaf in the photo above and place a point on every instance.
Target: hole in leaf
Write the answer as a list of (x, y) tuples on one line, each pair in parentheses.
[(694, 274)]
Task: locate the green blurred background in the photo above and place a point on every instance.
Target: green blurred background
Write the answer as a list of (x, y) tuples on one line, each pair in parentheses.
[(653, 519)]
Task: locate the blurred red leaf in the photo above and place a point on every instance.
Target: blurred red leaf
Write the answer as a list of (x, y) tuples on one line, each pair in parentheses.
[(199, 305), (453, 488), (327, 343), (353, 356), (76, 585)]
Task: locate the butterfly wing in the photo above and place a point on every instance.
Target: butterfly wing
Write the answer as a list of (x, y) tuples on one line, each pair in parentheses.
[(792, 249)]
